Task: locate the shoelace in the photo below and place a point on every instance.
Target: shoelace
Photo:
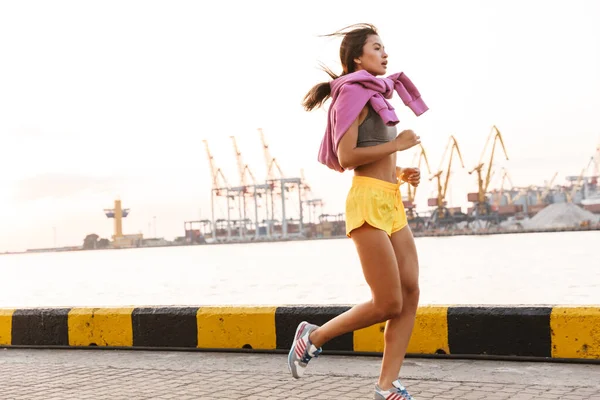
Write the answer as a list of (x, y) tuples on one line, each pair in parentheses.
[(307, 357), (402, 390)]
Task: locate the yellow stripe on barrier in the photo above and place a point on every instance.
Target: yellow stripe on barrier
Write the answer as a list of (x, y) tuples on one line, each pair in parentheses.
[(237, 327), (100, 327), (575, 332), (6, 327), (369, 339), (430, 333)]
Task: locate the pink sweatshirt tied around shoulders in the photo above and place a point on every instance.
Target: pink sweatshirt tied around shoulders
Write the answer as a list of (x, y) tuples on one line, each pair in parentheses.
[(350, 93)]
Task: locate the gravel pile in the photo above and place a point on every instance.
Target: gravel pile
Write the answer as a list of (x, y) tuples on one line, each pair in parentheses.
[(560, 215)]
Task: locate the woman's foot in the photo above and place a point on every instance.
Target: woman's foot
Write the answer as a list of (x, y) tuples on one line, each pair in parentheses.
[(397, 392), (302, 350)]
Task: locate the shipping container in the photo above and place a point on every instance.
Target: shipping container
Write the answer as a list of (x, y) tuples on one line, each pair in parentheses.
[(510, 209), (473, 197)]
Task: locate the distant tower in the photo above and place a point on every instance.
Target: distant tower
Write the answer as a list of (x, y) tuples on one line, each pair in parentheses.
[(118, 214)]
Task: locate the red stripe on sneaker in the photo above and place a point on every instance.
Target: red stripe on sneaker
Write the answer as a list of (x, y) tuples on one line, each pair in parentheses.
[(300, 347), (395, 396)]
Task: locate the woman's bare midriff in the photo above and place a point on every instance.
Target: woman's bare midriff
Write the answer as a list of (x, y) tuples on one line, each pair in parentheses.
[(384, 169)]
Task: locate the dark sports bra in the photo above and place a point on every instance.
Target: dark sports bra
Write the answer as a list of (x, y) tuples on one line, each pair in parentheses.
[(374, 131)]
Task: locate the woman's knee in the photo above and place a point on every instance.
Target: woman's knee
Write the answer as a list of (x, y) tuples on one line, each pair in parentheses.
[(411, 296), (390, 308)]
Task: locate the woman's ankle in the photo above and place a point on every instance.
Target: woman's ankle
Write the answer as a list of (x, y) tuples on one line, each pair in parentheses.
[(314, 338), (384, 386)]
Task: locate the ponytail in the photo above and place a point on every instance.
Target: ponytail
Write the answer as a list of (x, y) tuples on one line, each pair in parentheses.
[(319, 93)]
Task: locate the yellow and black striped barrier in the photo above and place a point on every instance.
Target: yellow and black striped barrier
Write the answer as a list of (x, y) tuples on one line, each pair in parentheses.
[(527, 331)]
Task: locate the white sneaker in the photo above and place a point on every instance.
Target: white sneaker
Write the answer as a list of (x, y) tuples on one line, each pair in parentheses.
[(302, 350), (398, 392)]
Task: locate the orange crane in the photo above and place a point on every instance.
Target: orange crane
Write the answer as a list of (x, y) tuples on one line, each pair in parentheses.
[(482, 207), (242, 192), (419, 156), (274, 189), (220, 187), (269, 160), (541, 194), (311, 203), (306, 190), (576, 186), (579, 182), (521, 191), (442, 212), (242, 168), (505, 176), (219, 182)]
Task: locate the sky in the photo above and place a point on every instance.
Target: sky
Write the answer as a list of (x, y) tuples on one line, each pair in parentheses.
[(106, 100)]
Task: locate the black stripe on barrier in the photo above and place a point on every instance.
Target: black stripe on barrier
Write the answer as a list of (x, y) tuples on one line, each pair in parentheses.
[(505, 331), (40, 327), (288, 318), (165, 327)]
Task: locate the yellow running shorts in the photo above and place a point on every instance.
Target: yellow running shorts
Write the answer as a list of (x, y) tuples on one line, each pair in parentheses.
[(376, 202)]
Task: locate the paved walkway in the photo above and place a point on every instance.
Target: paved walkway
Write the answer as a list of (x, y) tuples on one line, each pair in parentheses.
[(105, 374)]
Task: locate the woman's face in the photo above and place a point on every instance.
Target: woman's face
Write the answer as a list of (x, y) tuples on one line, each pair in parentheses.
[(374, 57)]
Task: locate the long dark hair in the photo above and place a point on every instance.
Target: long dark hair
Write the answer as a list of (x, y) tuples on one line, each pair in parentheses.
[(351, 48)]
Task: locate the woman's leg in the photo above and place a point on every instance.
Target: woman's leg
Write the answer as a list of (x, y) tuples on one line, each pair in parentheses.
[(399, 329), (380, 269)]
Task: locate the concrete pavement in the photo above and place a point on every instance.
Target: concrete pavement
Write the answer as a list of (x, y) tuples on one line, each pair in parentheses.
[(120, 374)]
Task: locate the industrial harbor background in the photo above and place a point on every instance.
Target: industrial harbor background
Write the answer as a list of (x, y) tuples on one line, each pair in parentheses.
[(281, 207), (161, 190)]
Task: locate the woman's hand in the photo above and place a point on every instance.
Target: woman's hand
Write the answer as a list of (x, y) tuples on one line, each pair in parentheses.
[(406, 139), (409, 175)]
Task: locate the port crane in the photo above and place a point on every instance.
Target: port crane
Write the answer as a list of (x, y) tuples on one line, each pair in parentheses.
[(312, 203), (280, 185), (542, 196), (243, 169), (219, 182), (482, 208), (441, 216), (500, 195), (270, 161), (411, 192), (220, 188), (581, 182), (244, 192), (272, 169), (414, 219), (263, 225)]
